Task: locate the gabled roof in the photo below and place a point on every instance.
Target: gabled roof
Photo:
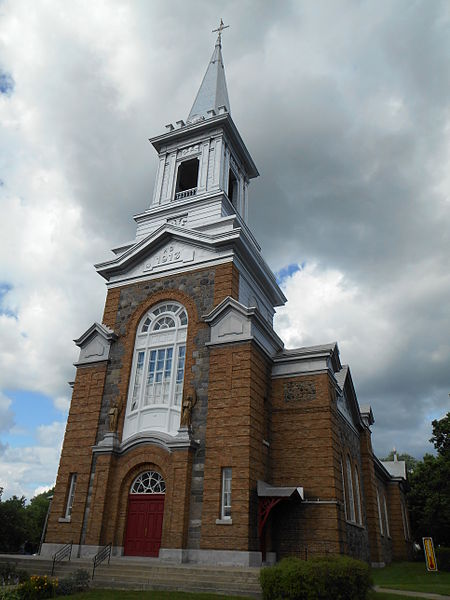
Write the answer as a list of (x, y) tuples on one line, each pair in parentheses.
[(395, 468), (95, 329), (345, 383), (213, 92)]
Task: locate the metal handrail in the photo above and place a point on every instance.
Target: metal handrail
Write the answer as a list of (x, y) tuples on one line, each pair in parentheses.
[(103, 554), (61, 554)]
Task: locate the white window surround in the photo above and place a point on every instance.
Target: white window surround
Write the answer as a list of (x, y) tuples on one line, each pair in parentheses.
[(225, 498), (157, 373), (358, 497), (351, 497), (386, 516), (343, 490), (379, 514), (405, 522), (71, 495)]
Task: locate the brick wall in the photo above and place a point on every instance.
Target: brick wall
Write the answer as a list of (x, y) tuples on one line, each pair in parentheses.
[(226, 282), (76, 456), (369, 486), (348, 445), (401, 548), (239, 379), (302, 448)]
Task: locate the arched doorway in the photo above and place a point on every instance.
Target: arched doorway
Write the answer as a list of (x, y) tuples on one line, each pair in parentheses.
[(145, 515)]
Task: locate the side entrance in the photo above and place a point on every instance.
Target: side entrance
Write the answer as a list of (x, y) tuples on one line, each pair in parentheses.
[(145, 515)]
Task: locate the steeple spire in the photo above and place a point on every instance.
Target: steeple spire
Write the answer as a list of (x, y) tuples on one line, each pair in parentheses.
[(213, 92)]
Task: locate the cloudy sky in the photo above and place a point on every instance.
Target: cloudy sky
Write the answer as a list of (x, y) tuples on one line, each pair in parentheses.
[(344, 106)]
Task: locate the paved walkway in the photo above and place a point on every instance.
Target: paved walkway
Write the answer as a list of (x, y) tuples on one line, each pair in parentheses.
[(377, 588)]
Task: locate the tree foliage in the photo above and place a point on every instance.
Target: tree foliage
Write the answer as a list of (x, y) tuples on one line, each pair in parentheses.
[(21, 524), (429, 494)]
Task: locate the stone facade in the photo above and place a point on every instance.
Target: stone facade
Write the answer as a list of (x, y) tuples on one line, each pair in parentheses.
[(273, 455)]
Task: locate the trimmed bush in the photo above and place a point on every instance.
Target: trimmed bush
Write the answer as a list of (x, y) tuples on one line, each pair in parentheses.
[(336, 577), (443, 559)]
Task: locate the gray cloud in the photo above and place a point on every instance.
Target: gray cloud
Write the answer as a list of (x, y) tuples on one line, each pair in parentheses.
[(345, 110)]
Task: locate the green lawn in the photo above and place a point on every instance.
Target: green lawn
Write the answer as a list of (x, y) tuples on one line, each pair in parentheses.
[(148, 595), (412, 576)]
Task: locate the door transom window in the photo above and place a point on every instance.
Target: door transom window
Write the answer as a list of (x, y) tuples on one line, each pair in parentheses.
[(150, 482)]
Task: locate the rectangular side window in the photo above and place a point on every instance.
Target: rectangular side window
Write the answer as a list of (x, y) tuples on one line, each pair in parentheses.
[(225, 507), (71, 494)]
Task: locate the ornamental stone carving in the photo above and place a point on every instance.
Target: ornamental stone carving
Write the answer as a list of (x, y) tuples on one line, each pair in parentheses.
[(295, 391)]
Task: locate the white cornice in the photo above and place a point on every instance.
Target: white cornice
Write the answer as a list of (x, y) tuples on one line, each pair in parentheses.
[(234, 242), (308, 360), (226, 122)]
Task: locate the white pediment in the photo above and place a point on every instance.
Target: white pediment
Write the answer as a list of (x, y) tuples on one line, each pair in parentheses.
[(171, 256), (169, 249), (94, 344)]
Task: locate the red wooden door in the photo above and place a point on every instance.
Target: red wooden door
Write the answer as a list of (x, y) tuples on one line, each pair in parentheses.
[(144, 524)]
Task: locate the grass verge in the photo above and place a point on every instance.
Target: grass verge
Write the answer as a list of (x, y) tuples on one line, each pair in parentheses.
[(412, 576)]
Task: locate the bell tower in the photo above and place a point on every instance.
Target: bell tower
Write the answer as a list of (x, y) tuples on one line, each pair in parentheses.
[(204, 166)]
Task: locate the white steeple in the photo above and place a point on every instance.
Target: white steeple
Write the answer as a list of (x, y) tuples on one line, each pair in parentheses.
[(213, 92)]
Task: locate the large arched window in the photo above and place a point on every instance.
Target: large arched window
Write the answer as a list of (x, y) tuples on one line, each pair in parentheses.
[(358, 497), (351, 497), (156, 383)]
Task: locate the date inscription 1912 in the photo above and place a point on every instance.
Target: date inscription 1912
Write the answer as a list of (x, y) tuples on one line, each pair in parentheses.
[(168, 255)]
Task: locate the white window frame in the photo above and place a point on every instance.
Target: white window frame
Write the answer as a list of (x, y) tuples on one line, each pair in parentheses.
[(71, 495), (388, 533), (155, 404), (343, 489), (405, 521), (225, 496), (380, 518), (358, 497), (351, 496)]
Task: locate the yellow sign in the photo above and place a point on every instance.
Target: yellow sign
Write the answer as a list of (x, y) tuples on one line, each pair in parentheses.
[(430, 556)]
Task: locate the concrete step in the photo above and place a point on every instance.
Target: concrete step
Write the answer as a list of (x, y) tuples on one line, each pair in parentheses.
[(151, 574)]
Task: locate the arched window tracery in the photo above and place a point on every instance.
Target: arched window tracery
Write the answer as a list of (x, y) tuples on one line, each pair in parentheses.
[(149, 482), (157, 374)]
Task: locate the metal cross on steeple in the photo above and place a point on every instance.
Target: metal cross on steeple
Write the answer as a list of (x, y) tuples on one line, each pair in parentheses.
[(220, 29)]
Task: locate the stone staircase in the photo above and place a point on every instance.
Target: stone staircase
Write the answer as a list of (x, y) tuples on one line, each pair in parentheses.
[(150, 574)]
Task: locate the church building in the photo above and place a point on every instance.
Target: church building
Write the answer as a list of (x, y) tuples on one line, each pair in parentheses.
[(193, 434)]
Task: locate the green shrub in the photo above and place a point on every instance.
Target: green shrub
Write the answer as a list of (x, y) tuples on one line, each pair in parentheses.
[(336, 577), (78, 581), (443, 559), (9, 593), (10, 574)]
